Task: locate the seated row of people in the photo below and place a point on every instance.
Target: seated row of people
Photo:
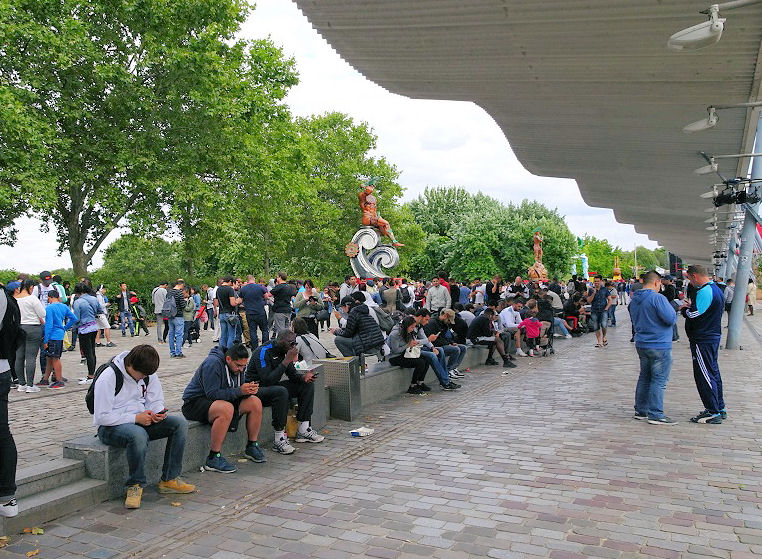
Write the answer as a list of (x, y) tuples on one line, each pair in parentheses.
[(129, 408)]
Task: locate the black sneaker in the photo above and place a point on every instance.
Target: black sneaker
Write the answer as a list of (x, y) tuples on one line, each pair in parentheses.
[(509, 364), (707, 417), (490, 362), (661, 421), (414, 390), (640, 416), (424, 387), (450, 386)]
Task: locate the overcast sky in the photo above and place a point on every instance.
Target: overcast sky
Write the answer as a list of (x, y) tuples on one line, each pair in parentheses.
[(432, 143)]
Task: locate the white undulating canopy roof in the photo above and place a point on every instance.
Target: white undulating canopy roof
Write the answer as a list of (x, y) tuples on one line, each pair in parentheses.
[(584, 89)]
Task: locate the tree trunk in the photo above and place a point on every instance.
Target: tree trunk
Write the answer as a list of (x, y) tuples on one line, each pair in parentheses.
[(78, 261)]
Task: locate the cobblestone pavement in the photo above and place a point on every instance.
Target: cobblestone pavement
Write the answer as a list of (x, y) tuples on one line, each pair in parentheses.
[(542, 462)]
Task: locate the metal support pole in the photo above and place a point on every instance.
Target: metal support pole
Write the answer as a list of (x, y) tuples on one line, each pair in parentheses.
[(744, 258), (730, 261)]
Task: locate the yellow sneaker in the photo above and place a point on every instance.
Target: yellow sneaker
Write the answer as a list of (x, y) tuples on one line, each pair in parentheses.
[(134, 494), (176, 486)]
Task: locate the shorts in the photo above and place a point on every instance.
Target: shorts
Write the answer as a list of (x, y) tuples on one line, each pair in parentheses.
[(102, 321), (198, 410), (598, 319), (55, 348)]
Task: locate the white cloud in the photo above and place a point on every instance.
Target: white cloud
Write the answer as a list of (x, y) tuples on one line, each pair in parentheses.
[(431, 142)]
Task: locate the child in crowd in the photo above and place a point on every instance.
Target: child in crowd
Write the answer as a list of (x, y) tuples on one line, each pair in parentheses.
[(55, 328), (140, 315), (533, 330)]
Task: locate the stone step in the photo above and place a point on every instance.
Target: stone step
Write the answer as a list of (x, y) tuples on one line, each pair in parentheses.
[(45, 506), (48, 475)]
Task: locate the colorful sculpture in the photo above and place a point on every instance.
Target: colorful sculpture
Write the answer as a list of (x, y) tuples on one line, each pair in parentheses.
[(367, 255), (538, 271), (617, 276)]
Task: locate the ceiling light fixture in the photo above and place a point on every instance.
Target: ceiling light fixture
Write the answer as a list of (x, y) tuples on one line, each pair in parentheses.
[(712, 119), (707, 33), (712, 167)]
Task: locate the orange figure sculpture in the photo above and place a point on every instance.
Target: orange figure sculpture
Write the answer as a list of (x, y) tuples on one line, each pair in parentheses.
[(370, 217), (537, 246)]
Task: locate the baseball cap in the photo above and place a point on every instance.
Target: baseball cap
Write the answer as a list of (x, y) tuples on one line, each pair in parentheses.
[(46, 275), (12, 285), (347, 301)]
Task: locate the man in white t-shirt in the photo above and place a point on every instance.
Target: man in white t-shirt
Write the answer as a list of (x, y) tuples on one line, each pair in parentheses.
[(478, 289), (158, 296)]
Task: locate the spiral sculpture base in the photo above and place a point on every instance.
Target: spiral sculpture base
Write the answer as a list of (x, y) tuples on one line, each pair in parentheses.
[(368, 256)]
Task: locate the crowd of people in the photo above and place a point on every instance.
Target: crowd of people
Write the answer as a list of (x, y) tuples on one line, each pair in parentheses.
[(414, 325)]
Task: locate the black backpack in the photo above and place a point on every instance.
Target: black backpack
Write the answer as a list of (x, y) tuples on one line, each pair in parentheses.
[(405, 294), (90, 396), (10, 329)]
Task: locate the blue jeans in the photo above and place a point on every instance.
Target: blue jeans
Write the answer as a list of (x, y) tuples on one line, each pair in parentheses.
[(612, 315), (454, 355), (130, 323), (655, 365), (227, 330), (176, 329), (439, 364), (558, 323), (135, 439)]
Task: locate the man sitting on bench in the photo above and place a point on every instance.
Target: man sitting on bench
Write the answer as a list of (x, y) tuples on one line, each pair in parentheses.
[(269, 363)]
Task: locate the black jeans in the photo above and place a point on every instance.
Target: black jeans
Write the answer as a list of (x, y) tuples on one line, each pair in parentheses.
[(312, 325), (87, 345), (257, 321), (8, 455), (419, 366), (279, 395)]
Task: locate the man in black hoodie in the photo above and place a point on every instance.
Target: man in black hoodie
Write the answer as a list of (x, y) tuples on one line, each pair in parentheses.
[(362, 334), (482, 332), (176, 322), (217, 395), (267, 366)]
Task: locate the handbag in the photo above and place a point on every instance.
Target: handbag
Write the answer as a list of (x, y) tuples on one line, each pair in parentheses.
[(323, 315), (233, 319), (413, 352), (328, 354)]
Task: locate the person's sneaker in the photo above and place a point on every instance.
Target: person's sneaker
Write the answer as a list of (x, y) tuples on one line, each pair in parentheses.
[(707, 417), (87, 380), (111, 344), (283, 446), (640, 416), (32, 389), (134, 495), (723, 414), (490, 362), (43, 382), (662, 421), (450, 386), (424, 387), (254, 453), (82, 361), (310, 436), (72, 348), (99, 345), (557, 335), (520, 352), (509, 364), (530, 353), (9, 509), (181, 356), (414, 390), (21, 388), (218, 463), (175, 486), (568, 336), (57, 384)]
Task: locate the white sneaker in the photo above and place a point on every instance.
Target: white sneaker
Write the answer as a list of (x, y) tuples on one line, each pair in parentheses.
[(455, 374), (21, 388), (311, 436), (9, 509), (530, 353), (84, 381), (520, 352), (283, 447), (568, 336), (32, 389), (557, 335)]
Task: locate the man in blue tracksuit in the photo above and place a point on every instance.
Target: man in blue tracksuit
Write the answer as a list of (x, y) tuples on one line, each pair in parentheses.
[(652, 318), (703, 326)]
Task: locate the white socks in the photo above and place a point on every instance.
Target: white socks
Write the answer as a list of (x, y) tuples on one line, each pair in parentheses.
[(304, 426), (280, 435)]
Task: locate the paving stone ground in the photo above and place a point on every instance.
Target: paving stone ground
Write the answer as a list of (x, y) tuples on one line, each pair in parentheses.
[(542, 462)]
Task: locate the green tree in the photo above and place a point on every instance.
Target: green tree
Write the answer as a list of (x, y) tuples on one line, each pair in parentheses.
[(125, 100)]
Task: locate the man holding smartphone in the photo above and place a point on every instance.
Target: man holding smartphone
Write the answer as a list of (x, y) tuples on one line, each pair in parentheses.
[(130, 416), (216, 395), (269, 363)]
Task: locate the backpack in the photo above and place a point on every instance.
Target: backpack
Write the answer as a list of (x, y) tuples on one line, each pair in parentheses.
[(10, 330), (169, 308), (90, 396), (405, 294), (385, 321)]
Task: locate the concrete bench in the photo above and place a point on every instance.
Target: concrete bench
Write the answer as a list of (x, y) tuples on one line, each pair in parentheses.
[(110, 463), (351, 388)]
